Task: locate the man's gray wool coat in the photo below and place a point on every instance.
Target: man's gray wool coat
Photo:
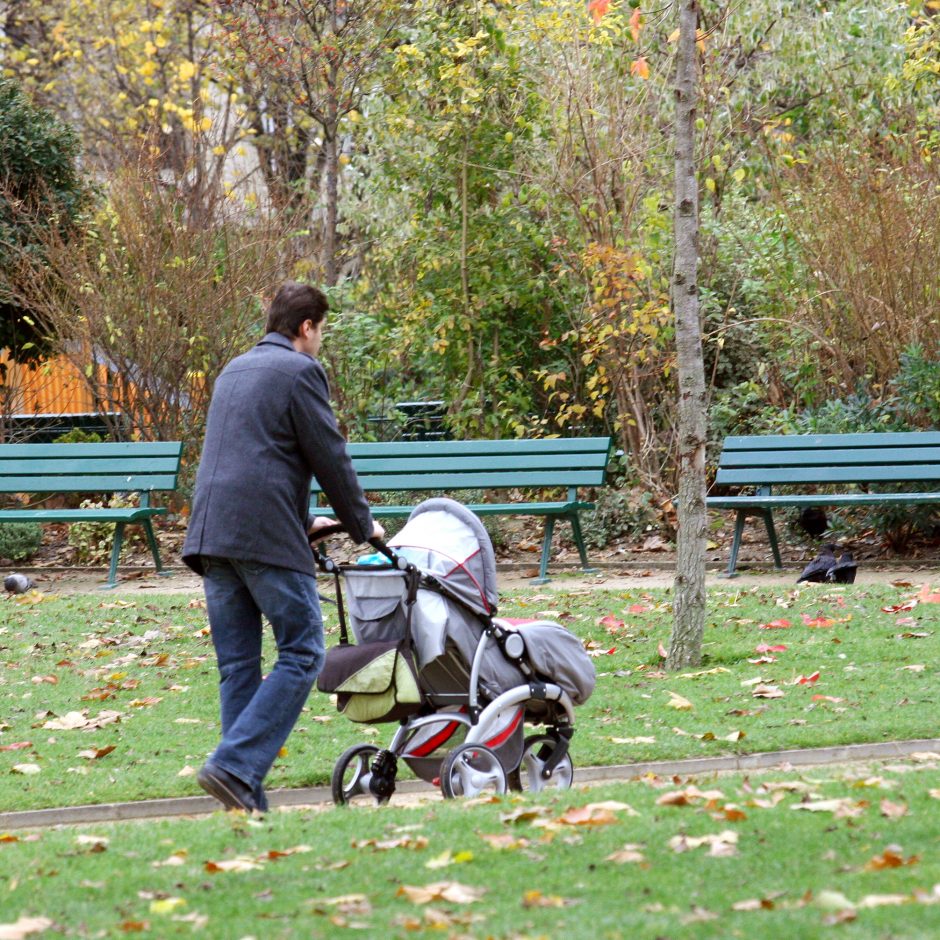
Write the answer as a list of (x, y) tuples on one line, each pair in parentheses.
[(270, 430)]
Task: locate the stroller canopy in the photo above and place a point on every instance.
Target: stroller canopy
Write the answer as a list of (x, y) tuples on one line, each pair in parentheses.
[(446, 539)]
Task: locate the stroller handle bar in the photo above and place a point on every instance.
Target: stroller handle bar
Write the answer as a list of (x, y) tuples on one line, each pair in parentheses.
[(376, 543)]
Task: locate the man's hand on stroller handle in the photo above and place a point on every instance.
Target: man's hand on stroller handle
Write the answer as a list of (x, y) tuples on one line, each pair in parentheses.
[(322, 526)]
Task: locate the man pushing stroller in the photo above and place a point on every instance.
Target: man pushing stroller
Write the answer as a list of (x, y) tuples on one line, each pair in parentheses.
[(269, 431)]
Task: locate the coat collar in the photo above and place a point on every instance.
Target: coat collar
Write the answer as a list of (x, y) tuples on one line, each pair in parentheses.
[(277, 339)]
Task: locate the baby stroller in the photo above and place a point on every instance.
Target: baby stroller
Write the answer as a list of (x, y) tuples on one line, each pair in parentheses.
[(461, 682)]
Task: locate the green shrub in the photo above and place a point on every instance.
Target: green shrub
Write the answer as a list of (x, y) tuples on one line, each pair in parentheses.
[(92, 541), (20, 540), (618, 513), (78, 436)]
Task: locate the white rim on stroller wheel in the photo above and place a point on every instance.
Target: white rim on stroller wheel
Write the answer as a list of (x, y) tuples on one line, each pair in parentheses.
[(470, 770), (352, 774), (533, 761)]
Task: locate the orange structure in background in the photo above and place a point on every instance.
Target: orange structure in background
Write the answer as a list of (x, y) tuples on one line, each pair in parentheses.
[(54, 387)]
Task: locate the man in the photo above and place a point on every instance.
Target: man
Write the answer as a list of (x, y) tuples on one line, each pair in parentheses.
[(269, 431)]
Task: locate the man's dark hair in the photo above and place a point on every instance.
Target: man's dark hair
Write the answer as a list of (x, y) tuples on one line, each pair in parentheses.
[(292, 304)]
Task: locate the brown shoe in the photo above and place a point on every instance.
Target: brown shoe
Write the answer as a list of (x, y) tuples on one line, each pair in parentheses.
[(228, 789)]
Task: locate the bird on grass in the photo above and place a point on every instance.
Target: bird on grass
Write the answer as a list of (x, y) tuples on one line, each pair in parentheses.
[(18, 583), (843, 572), (820, 566)]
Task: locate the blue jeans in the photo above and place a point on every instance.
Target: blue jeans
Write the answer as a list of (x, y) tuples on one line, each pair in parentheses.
[(258, 715)]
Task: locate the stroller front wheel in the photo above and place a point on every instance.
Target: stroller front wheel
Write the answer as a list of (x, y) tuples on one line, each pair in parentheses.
[(352, 773), (536, 751), (471, 769)]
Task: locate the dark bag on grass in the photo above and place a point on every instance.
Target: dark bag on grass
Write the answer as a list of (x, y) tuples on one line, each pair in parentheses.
[(373, 682)]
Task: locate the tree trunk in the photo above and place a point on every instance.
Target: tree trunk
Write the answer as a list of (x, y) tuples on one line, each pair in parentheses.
[(685, 647)]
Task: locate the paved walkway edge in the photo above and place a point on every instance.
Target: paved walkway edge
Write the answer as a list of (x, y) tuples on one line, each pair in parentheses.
[(310, 796)]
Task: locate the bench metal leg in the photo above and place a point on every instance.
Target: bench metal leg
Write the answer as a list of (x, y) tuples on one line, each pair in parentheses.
[(579, 541), (739, 521), (772, 535), (546, 551), (154, 549), (115, 555)]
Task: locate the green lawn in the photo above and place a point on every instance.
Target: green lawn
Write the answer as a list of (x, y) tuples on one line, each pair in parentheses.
[(115, 699), (847, 853)]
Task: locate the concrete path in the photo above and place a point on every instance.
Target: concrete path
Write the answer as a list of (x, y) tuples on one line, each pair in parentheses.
[(511, 576), (412, 790)]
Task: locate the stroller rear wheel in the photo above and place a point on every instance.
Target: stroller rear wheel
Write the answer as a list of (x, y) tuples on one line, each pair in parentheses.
[(536, 751), (471, 769), (352, 773)]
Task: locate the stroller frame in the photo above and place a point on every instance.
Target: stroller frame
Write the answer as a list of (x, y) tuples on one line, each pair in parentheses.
[(489, 758)]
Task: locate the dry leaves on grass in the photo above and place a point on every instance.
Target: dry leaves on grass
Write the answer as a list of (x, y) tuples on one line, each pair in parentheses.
[(891, 857), (720, 845), (80, 721), (631, 853), (840, 807), (535, 898), (452, 891), (24, 927), (678, 702)]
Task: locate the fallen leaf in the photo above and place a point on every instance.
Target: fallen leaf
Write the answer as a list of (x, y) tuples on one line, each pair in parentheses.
[(26, 769), (806, 680), (893, 810), (24, 927), (95, 753), (451, 891), (890, 858), (678, 702), (166, 905), (722, 844), (587, 816), (818, 621), (93, 843), (629, 854), (610, 623), (753, 904), (827, 698), (775, 625), (883, 900), (764, 648), (535, 898), (503, 841), (916, 667), (637, 740), (842, 807), (238, 864), (448, 858), (766, 691), (17, 746)]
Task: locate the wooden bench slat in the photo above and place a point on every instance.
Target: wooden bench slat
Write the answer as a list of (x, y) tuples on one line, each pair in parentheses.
[(888, 457), (476, 463), (129, 483), (474, 481), (131, 514), (784, 476), (822, 499), (875, 439), (76, 466), (106, 449), (576, 445), (482, 509)]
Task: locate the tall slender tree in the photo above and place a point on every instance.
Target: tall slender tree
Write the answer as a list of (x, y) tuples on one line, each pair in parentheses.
[(685, 647)]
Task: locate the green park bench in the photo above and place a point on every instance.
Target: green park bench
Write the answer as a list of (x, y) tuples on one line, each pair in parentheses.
[(139, 467), (854, 469), (449, 466)]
